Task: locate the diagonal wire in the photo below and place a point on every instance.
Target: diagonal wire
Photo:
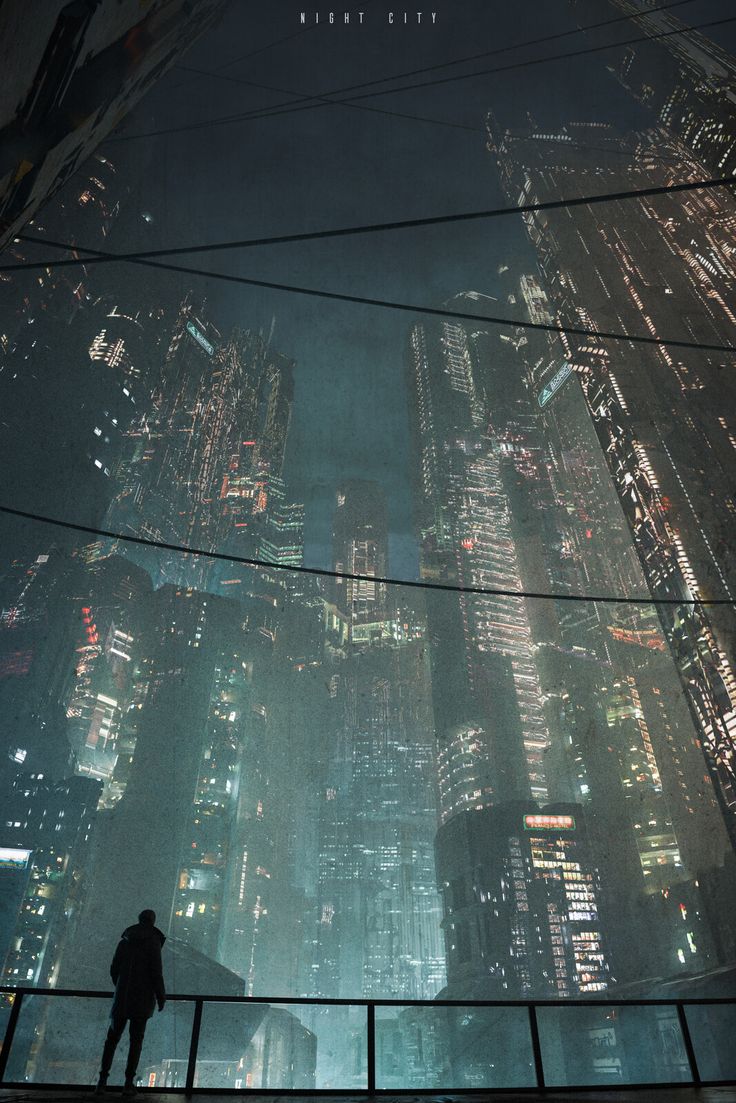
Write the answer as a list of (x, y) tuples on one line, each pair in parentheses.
[(290, 106), (162, 545), (98, 256), (458, 61), (525, 64), (540, 41), (439, 312), (303, 97), (219, 74)]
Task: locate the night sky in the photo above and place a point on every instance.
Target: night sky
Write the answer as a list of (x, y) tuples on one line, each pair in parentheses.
[(336, 165)]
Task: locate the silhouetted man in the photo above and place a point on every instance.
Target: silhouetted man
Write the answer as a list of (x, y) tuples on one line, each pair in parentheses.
[(139, 985)]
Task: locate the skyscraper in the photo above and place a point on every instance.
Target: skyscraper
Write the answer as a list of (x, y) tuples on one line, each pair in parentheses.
[(659, 416), (199, 458), (491, 729), (521, 903), (360, 546), (38, 633), (282, 540), (45, 833), (683, 77), (378, 908), (620, 741), (175, 828), (101, 703), (70, 74)]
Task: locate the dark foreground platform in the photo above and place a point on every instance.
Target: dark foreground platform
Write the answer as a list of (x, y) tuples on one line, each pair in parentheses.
[(642, 1050), (625, 1095)]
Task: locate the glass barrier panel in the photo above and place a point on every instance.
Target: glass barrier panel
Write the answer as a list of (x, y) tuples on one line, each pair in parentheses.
[(59, 1040), (712, 1030), (449, 1048), (612, 1045), (284, 1046), (6, 1004), (165, 1055)]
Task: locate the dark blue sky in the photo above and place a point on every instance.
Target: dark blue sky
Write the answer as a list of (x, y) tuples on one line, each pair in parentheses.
[(334, 166)]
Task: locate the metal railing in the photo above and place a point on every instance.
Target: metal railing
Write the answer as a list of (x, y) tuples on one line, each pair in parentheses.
[(687, 1060)]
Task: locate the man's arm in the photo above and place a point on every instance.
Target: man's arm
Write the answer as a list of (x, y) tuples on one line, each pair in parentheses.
[(116, 963), (157, 974)]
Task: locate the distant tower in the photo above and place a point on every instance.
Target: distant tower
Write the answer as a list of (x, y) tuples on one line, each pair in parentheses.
[(491, 730), (521, 903), (360, 546), (282, 541)]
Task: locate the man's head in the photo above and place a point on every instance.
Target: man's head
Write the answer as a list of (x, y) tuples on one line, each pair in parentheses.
[(147, 917)]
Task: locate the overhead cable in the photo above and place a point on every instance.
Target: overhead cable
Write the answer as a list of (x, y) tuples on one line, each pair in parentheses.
[(540, 41), (438, 312), (291, 106), (98, 256), (420, 584), (262, 50), (304, 97)]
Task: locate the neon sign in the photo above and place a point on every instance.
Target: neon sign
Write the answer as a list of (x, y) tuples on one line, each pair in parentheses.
[(549, 823), (549, 390), (200, 338)]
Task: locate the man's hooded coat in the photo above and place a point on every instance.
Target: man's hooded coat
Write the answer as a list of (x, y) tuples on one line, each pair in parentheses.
[(137, 972)]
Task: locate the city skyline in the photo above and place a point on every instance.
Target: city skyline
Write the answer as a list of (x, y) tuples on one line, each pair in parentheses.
[(349, 789)]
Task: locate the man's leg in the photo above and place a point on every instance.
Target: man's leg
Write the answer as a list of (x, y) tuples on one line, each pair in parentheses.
[(137, 1030), (114, 1034)]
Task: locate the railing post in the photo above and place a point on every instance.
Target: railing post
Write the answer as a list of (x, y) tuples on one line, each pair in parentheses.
[(371, 1054), (193, 1047), (536, 1047), (689, 1048), (9, 1033)]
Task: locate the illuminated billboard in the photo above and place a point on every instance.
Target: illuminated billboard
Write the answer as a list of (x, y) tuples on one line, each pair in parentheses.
[(549, 823), (550, 389), (200, 338), (12, 857)]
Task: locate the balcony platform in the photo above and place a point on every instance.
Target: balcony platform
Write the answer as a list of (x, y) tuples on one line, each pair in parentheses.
[(686, 1094)]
